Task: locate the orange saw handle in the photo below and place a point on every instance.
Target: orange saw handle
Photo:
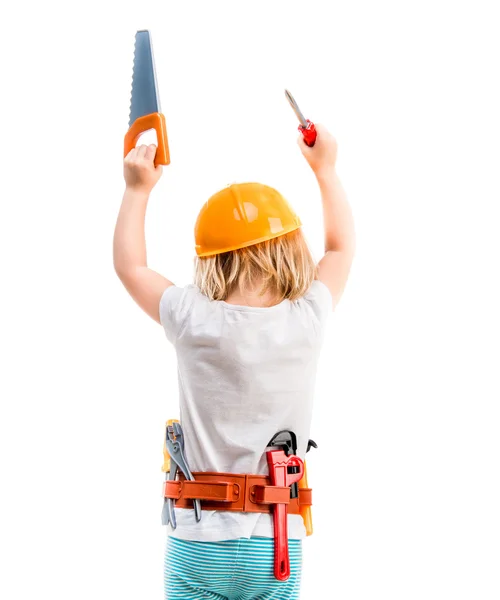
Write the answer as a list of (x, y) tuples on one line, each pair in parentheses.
[(154, 121)]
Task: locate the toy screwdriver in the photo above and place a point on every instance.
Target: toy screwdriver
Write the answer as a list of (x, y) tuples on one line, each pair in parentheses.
[(306, 127)]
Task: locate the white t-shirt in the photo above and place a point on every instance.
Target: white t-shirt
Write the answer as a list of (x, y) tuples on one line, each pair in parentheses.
[(245, 373)]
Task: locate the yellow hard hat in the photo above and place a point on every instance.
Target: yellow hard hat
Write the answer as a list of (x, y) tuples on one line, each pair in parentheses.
[(241, 215)]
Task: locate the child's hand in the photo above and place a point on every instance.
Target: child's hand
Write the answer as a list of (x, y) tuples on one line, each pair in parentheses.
[(323, 155), (139, 169)]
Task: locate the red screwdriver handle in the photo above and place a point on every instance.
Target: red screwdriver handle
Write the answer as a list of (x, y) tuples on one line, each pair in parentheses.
[(279, 463), (309, 133)]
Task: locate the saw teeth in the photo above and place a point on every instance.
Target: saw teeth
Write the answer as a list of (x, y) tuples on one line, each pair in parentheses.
[(144, 93), (132, 84)]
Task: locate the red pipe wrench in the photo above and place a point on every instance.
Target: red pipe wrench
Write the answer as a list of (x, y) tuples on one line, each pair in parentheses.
[(306, 127), (279, 466)]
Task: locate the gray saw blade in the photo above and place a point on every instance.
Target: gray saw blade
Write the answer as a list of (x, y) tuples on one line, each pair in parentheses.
[(145, 98)]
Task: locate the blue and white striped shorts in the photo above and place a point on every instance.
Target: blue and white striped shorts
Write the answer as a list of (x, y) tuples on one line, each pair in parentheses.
[(240, 569)]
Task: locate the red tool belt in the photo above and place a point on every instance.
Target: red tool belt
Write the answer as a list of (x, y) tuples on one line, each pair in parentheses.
[(238, 493)]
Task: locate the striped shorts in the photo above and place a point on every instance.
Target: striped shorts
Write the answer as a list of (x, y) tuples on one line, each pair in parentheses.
[(231, 570)]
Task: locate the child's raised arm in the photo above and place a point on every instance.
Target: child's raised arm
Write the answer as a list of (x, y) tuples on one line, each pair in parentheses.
[(129, 244), (335, 265)]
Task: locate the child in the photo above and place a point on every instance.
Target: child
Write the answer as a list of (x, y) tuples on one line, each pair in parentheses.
[(247, 337)]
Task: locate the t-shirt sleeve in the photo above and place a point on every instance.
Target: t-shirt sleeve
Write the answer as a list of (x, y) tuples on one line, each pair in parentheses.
[(175, 305), (320, 300)]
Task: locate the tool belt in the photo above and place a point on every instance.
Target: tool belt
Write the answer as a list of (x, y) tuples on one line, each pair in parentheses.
[(283, 492), (232, 492)]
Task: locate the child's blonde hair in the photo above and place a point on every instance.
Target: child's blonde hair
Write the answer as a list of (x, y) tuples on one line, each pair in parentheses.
[(282, 266)]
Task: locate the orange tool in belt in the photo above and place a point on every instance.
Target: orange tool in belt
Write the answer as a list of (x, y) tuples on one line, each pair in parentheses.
[(305, 511), (145, 111)]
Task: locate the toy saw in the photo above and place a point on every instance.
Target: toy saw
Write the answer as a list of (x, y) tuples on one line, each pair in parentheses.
[(145, 111)]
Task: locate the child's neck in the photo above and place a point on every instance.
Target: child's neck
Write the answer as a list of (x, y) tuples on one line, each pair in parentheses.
[(245, 297)]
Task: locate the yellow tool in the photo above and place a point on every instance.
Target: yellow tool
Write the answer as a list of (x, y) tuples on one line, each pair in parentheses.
[(166, 455), (305, 511)]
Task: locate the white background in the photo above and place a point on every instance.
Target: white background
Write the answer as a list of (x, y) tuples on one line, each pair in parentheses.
[(407, 476)]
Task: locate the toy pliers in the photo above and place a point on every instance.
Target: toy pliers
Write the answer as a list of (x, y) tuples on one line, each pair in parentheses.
[(306, 127), (175, 446)]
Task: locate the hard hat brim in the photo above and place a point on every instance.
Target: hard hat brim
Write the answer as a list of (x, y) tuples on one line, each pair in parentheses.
[(251, 243)]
